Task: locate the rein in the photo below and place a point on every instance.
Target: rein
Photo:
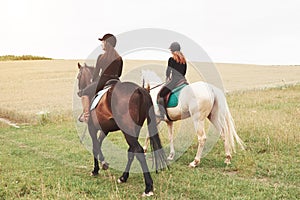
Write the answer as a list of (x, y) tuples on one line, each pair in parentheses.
[(157, 86)]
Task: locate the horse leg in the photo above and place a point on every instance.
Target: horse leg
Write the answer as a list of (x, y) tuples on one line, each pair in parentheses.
[(221, 130), (137, 150), (97, 152), (104, 164), (226, 147), (146, 143), (96, 147), (125, 175), (171, 139), (147, 177), (201, 141)]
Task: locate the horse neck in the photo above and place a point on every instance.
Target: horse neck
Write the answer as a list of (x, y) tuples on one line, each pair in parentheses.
[(87, 76), (154, 90)]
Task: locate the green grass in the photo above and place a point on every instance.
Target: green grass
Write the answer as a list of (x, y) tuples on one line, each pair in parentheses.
[(47, 161), (23, 57)]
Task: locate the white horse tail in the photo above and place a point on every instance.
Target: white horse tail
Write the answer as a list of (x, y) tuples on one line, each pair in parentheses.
[(221, 117)]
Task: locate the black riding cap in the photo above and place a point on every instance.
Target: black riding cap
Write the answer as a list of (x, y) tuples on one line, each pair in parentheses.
[(110, 38), (175, 46)]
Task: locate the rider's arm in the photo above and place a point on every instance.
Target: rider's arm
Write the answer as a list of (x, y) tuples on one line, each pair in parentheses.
[(169, 69), (97, 69)]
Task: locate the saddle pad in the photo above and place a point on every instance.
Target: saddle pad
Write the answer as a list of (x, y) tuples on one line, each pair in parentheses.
[(97, 98), (173, 99)]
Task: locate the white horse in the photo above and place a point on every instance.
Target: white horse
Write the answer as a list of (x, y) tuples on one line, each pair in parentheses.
[(199, 101)]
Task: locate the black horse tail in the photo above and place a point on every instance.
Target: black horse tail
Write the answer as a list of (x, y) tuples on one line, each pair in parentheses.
[(160, 160)]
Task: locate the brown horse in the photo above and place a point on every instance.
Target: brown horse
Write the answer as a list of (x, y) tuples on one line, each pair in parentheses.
[(125, 106)]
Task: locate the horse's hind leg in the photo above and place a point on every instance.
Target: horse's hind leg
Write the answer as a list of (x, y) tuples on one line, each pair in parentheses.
[(96, 149), (226, 147), (199, 126), (125, 175), (135, 149), (221, 130)]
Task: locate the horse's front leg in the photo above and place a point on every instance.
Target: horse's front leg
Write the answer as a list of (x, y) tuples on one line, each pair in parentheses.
[(171, 139)]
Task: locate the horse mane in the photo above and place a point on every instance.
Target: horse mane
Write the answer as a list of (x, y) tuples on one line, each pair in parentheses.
[(149, 76)]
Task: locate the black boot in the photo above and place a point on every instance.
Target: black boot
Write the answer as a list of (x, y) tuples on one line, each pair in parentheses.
[(162, 108)]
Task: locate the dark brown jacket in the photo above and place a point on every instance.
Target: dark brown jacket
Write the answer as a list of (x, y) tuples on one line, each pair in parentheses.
[(108, 69)]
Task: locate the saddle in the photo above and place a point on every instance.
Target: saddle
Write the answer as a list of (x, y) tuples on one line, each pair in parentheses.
[(110, 83), (171, 99), (99, 95)]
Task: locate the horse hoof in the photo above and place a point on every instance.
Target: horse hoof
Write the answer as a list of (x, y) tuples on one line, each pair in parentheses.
[(145, 149), (121, 180), (149, 194), (93, 173), (194, 164), (227, 160), (104, 165), (171, 156)]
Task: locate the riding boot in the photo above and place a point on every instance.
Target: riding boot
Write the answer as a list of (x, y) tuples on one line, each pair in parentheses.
[(84, 117), (162, 108)]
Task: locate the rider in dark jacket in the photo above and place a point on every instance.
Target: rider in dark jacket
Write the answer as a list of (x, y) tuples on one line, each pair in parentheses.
[(175, 74), (108, 66)]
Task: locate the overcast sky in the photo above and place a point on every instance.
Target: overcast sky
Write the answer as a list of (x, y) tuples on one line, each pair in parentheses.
[(236, 31)]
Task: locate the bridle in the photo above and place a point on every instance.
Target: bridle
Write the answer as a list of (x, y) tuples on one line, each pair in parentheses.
[(157, 86), (80, 74)]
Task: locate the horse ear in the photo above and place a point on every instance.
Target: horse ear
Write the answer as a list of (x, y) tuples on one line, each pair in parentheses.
[(79, 66), (148, 87)]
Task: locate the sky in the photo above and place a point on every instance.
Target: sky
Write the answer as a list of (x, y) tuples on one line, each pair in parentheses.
[(231, 31)]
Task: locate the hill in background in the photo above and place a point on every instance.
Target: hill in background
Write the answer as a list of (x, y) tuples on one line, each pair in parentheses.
[(23, 57)]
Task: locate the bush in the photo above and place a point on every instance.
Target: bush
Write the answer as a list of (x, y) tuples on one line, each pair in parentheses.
[(23, 57)]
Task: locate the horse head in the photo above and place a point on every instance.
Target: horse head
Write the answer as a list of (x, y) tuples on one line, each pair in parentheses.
[(84, 76), (150, 79)]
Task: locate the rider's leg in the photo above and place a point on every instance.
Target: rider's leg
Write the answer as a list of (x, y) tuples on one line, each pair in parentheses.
[(84, 117), (87, 93), (161, 101)]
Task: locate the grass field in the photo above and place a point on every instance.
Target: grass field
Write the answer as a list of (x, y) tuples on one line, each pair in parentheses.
[(47, 161)]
